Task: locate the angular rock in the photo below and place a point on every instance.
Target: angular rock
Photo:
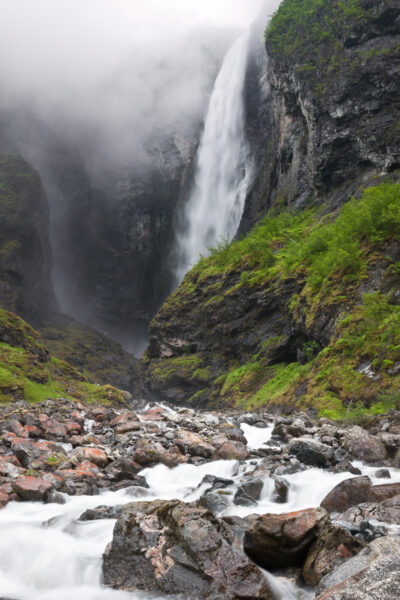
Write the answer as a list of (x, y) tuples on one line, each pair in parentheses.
[(4, 498), (227, 449), (334, 546), (54, 430), (149, 453), (311, 452), (93, 455), (128, 426), (122, 468), (379, 493), (374, 574), (35, 454), (363, 446), (249, 491), (277, 541), (281, 492), (101, 512), (19, 430), (32, 488), (179, 548), (370, 510), (383, 474), (191, 443), (348, 493)]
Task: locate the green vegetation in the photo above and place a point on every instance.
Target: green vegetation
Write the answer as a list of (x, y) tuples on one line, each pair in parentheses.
[(290, 244), (98, 358), (310, 35), (324, 258), (28, 372), (299, 24)]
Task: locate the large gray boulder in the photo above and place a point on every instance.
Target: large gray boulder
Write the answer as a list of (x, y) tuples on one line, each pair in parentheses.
[(374, 574), (179, 548), (363, 446)]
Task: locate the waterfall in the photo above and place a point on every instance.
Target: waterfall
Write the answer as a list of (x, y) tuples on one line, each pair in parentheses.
[(215, 207)]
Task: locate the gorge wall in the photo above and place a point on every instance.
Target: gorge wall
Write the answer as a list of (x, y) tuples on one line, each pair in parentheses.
[(303, 309)]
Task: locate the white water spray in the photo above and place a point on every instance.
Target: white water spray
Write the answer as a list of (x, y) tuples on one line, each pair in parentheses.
[(216, 204)]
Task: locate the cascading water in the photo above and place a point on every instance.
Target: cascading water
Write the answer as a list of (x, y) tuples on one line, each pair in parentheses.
[(48, 553), (216, 204)]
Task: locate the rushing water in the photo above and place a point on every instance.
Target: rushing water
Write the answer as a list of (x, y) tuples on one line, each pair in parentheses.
[(46, 553), (216, 204)]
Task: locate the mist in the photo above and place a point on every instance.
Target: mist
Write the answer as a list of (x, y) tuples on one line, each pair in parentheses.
[(111, 73), (93, 93)]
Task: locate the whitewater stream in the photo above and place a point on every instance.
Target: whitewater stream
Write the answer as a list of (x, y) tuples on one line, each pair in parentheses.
[(215, 207), (47, 553)]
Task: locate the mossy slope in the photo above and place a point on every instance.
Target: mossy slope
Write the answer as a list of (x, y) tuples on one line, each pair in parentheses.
[(97, 357), (304, 311), (29, 372)]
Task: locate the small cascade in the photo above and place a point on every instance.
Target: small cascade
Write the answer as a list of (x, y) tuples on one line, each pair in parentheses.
[(48, 553), (216, 204)]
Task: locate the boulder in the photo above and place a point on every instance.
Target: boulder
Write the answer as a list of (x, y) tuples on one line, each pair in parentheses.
[(32, 488), (380, 493), (179, 548), (334, 546), (101, 512), (281, 492), (371, 510), (191, 443), (93, 455), (396, 461), (382, 474), (124, 417), (348, 493), (358, 490), (19, 430), (54, 430), (35, 454), (363, 446), (228, 449), (122, 468), (149, 453), (374, 574), (311, 452), (249, 491), (128, 426), (394, 501), (277, 541)]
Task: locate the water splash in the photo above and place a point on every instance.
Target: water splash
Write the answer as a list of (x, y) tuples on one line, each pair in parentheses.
[(215, 207)]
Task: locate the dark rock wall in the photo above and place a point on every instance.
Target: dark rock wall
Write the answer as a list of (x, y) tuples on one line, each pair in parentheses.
[(327, 128), (332, 114), (25, 258)]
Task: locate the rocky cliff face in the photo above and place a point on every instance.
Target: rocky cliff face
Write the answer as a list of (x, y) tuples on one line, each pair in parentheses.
[(332, 111), (289, 314), (111, 229), (26, 283), (25, 258)]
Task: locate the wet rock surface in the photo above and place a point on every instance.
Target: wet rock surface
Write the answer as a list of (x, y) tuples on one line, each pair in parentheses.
[(210, 540), (179, 548), (276, 541)]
